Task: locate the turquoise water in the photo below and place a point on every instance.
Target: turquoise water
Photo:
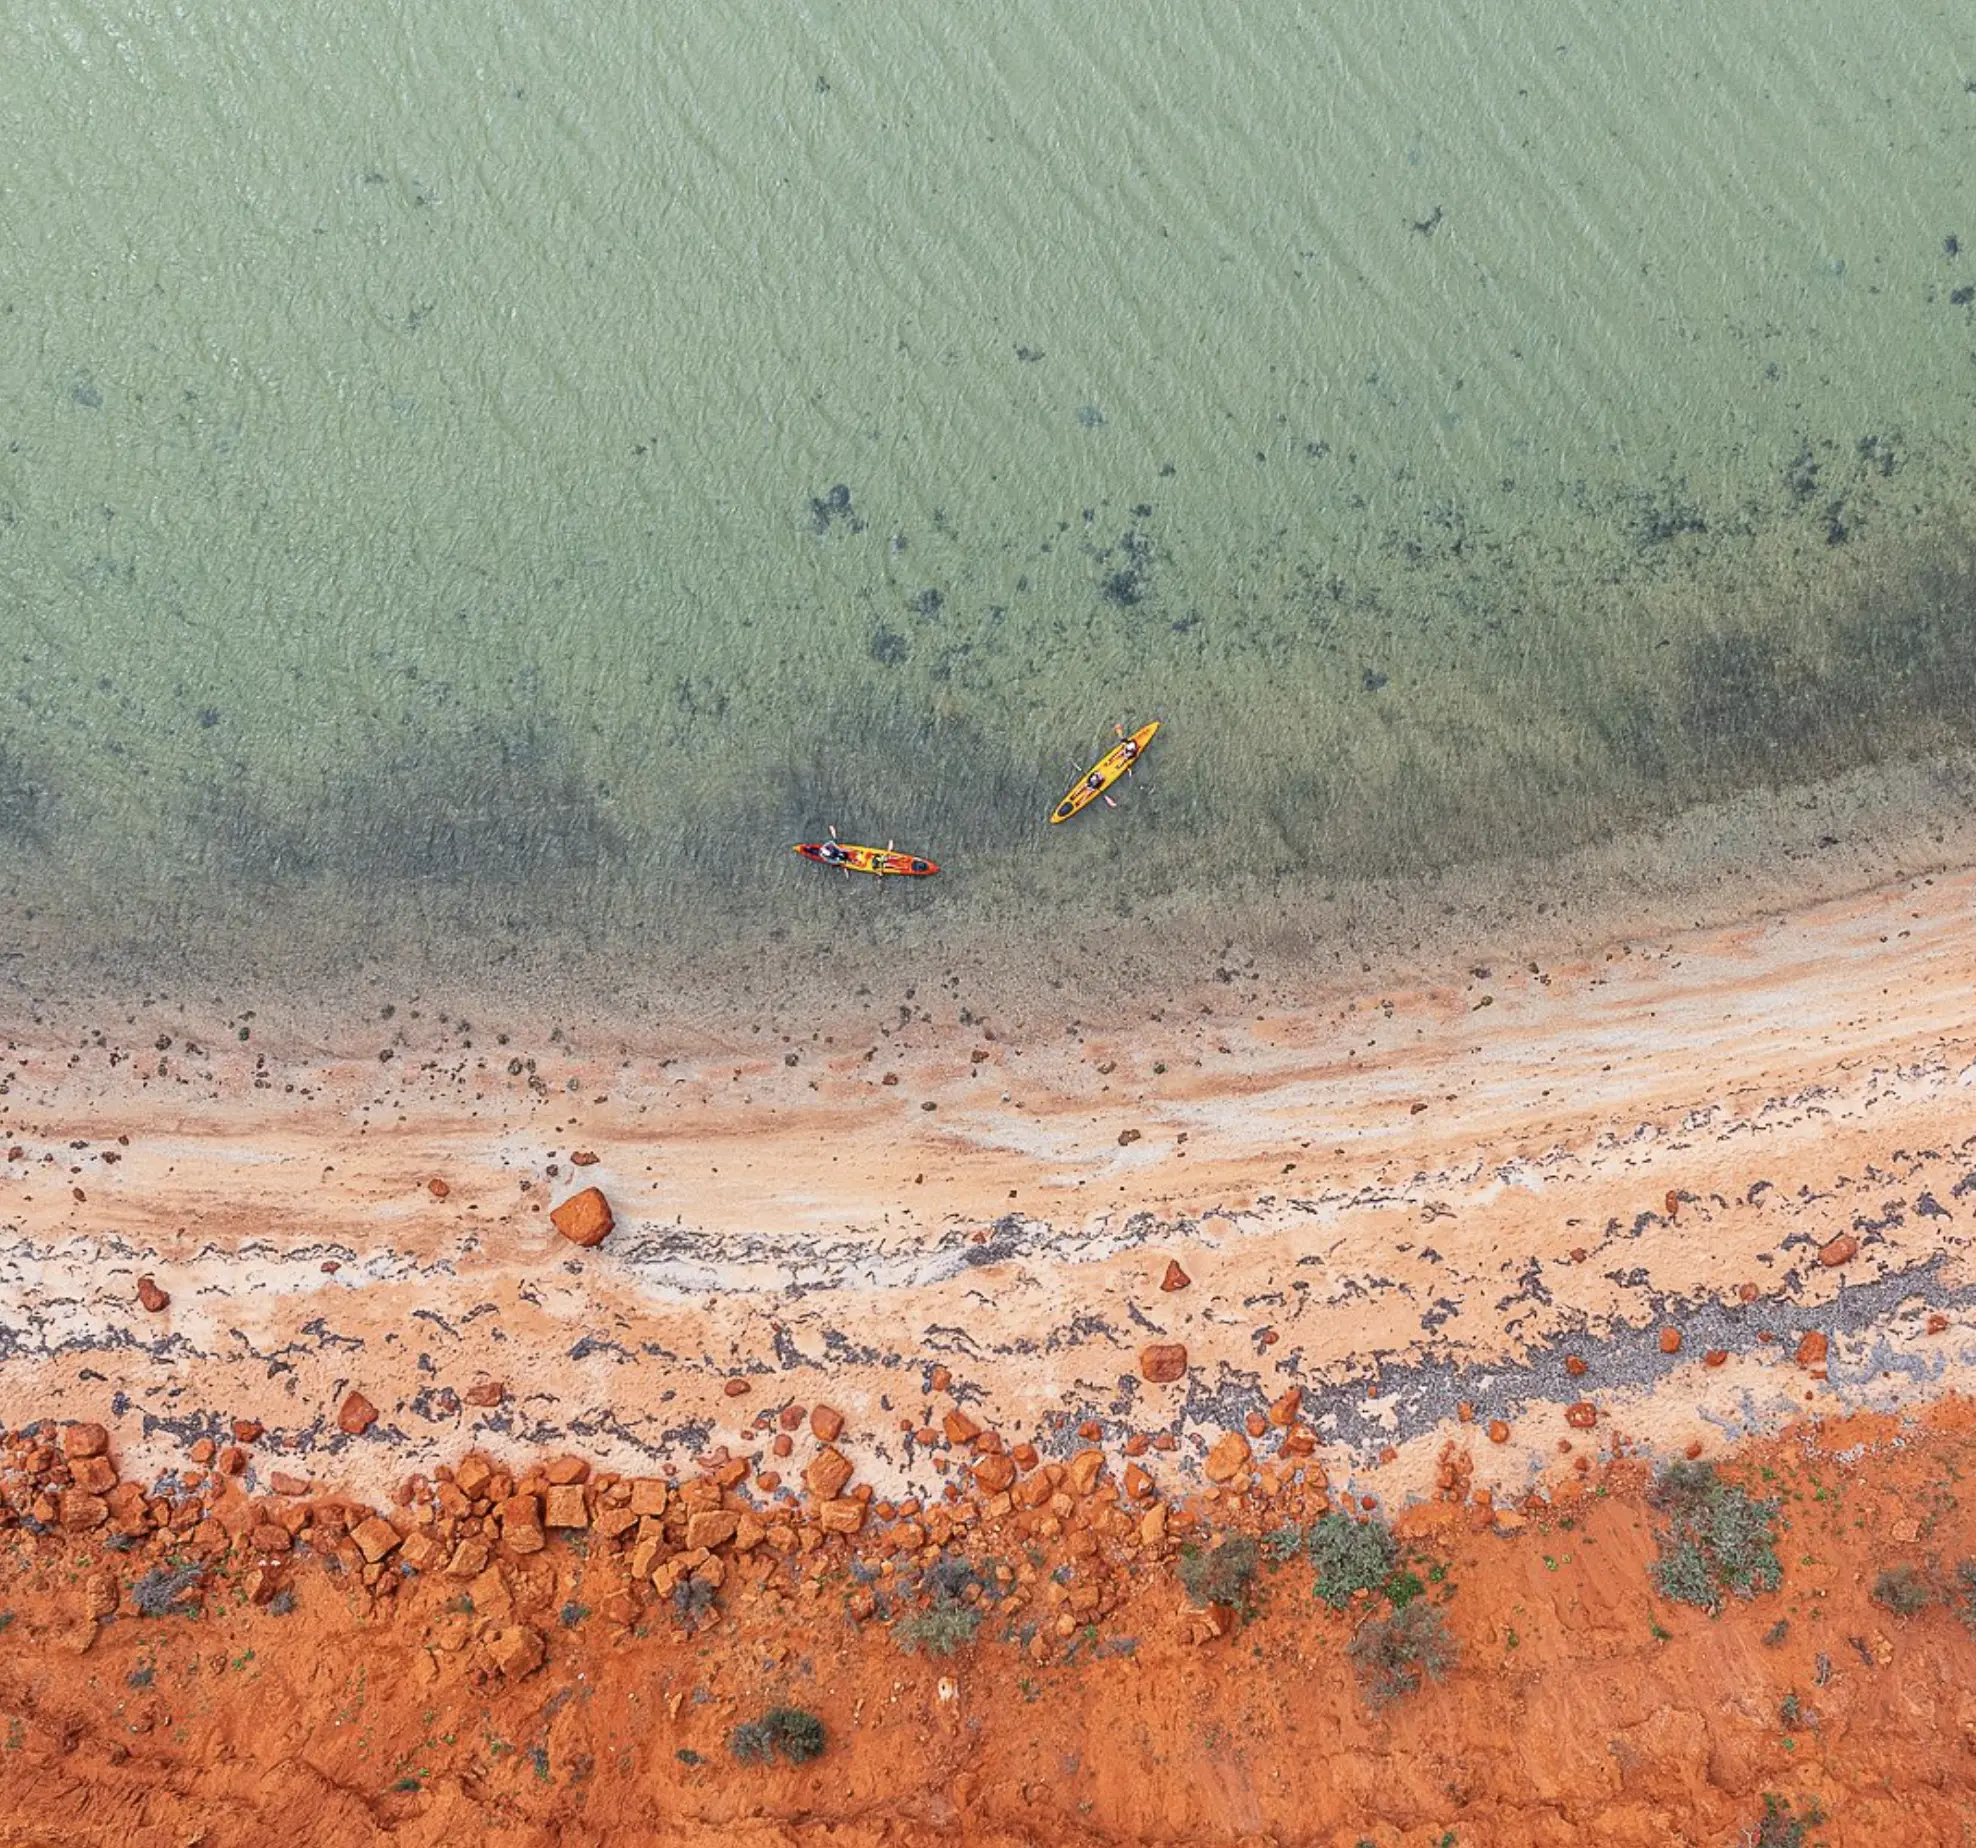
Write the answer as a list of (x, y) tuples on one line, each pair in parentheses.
[(506, 476)]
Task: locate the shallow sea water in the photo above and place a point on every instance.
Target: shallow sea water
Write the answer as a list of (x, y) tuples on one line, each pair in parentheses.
[(494, 483)]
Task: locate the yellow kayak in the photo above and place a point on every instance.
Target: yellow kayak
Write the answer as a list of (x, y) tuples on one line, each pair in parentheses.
[(1105, 772)]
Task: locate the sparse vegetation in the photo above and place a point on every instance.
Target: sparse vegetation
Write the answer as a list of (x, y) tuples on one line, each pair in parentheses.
[(1902, 1590), (1962, 1594), (1223, 1573), (940, 1631), (572, 1614), (160, 1590), (282, 1602), (1781, 1826), (1720, 1538), (1790, 1712), (692, 1599), (1394, 1652), (796, 1734), (1350, 1556)]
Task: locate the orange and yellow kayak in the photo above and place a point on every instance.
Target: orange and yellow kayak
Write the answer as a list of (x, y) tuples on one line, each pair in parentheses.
[(1105, 772), (879, 860)]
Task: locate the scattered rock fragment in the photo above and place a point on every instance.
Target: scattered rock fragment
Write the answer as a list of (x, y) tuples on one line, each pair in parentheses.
[(826, 1423), (486, 1393), (154, 1299), (356, 1415), (437, 1188), (1229, 1457), (1670, 1341), (584, 1218), (1498, 1431), (516, 1651), (1582, 1416), (1811, 1351), (85, 1440), (1837, 1251), (1162, 1362), (1175, 1278)]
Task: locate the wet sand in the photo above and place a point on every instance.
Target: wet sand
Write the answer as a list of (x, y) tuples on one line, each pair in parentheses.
[(1401, 1201)]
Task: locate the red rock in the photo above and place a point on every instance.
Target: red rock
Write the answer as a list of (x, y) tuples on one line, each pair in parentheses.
[(1025, 1456), (1498, 1431), (960, 1428), (584, 1218), (85, 1440), (437, 1188), (1126, 1137), (735, 1388), (783, 1445), (827, 1474), (790, 1418), (1811, 1350), (1837, 1251), (1162, 1362), (1581, 1416), (1670, 1341), (846, 1516), (715, 1527), (203, 1450), (284, 1484), (1672, 1203), (1746, 1292), (583, 1158), (648, 1496), (993, 1474), (516, 1651), (1465, 1409), (486, 1393), (247, 1430), (1138, 1444), (1715, 1357), (565, 1470), (564, 1506), (1175, 1278), (1694, 1448), (1081, 1477), (1283, 1412), (154, 1299), (1255, 1424), (1574, 1366), (269, 1537), (375, 1538), (1938, 1324), (356, 1415), (1138, 1484), (81, 1511), (96, 1475), (827, 1423), (940, 1379)]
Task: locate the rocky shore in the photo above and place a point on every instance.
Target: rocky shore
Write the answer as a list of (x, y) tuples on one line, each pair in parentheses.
[(526, 1368)]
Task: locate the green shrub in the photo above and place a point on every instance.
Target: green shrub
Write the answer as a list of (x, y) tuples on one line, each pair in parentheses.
[(162, 1590), (1781, 1827), (1223, 1573), (1350, 1556), (1392, 1653), (1962, 1595), (796, 1734), (1720, 1538), (947, 1626), (1902, 1590)]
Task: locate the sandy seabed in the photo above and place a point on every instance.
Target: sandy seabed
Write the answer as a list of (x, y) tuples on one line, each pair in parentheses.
[(1666, 1198)]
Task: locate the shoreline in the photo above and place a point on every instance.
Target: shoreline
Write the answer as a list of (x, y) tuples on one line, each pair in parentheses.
[(1366, 1192)]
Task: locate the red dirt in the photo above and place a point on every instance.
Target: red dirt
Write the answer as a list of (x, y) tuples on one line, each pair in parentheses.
[(1583, 1705)]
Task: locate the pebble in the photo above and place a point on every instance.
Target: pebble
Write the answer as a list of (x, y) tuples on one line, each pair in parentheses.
[(584, 1218), (1162, 1362), (356, 1415)]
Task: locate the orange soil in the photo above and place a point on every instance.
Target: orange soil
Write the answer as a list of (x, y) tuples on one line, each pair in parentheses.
[(1582, 1707), (1693, 1192)]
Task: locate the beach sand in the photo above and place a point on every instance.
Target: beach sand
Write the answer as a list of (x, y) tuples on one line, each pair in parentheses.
[(1474, 1254), (1393, 1199)]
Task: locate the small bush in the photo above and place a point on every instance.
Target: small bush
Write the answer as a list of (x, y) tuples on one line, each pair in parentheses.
[(939, 1631), (572, 1614), (1962, 1595), (1720, 1538), (1781, 1827), (692, 1599), (158, 1592), (1350, 1556), (1902, 1590), (1222, 1574), (1392, 1653), (949, 1580), (282, 1602), (797, 1735)]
